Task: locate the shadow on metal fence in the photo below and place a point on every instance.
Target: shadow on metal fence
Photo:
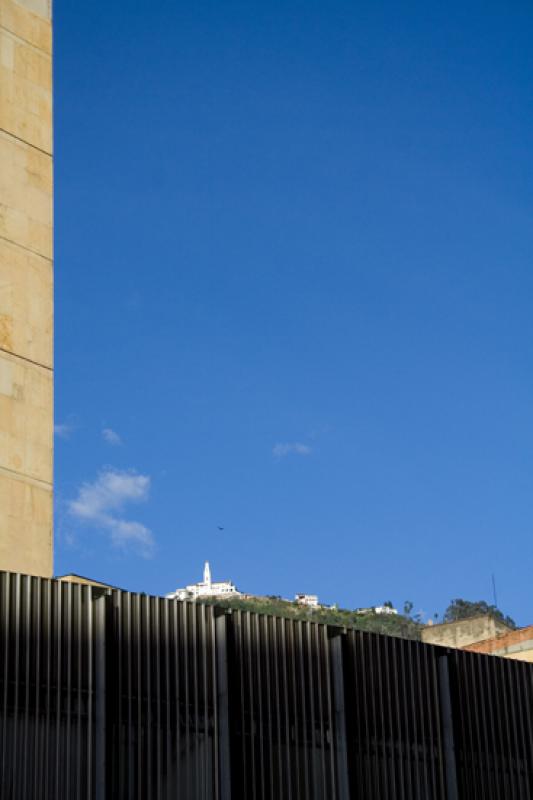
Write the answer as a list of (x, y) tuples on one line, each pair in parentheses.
[(119, 696)]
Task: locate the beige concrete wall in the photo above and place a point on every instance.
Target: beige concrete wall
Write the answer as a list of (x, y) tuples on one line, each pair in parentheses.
[(83, 581), (516, 644), (464, 632), (26, 287), (522, 655)]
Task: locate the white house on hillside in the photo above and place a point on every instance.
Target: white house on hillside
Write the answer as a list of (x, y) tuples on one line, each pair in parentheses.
[(205, 588), (377, 610), (307, 600)]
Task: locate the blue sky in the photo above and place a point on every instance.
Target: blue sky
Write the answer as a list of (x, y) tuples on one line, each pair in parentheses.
[(294, 294)]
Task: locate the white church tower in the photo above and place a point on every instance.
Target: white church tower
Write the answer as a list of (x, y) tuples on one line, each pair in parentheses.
[(206, 588)]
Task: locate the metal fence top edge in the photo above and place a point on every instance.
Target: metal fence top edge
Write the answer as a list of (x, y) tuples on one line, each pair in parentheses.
[(332, 631)]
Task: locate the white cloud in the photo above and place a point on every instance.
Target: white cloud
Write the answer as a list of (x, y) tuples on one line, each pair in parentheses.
[(102, 502), (283, 449), (63, 430), (109, 492), (111, 436)]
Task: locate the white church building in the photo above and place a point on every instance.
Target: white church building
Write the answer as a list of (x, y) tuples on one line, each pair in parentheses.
[(206, 588)]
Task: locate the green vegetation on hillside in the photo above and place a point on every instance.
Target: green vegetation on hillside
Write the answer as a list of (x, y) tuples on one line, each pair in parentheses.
[(402, 625), (406, 625), (464, 609)]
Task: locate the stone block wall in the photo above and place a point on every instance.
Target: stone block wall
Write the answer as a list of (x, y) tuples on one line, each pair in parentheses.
[(26, 287)]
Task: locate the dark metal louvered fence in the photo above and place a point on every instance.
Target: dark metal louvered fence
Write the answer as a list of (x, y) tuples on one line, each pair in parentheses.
[(119, 696)]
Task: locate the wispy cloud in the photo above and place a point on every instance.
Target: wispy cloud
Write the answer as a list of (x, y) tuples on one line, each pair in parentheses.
[(282, 449), (63, 430), (101, 504), (110, 436)]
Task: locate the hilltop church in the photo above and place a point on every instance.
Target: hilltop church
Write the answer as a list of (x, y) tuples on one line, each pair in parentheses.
[(206, 588)]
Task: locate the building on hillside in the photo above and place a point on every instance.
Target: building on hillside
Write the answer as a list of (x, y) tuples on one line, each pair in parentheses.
[(385, 610), (464, 632), (513, 644), (377, 610), (307, 600), (206, 588)]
